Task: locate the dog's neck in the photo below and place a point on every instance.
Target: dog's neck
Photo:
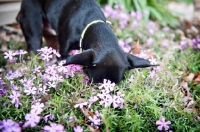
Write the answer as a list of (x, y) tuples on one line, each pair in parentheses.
[(85, 29), (99, 36)]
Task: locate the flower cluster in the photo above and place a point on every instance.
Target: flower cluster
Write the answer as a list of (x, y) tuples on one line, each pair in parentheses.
[(105, 96), (196, 43), (54, 128), (3, 88), (37, 84), (12, 56), (185, 43), (9, 126), (46, 53)]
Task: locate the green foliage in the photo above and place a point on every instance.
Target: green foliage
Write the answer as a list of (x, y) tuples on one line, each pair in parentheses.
[(152, 9)]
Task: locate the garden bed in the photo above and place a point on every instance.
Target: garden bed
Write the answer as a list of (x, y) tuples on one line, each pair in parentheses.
[(42, 96)]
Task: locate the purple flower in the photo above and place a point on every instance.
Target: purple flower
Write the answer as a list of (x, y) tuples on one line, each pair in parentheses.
[(54, 128), (9, 55), (162, 124), (3, 89), (78, 129), (196, 43), (106, 99), (151, 31), (80, 105), (21, 52), (9, 126), (86, 80), (153, 61), (52, 84), (97, 114), (165, 43), (43, 89), (37, 69), (72, 118), (55, 53), (32, 119), (51, 70), (48, 117), (30, 90), (139, 15), (183, 45), (96, 121), (152, 74), (107, 85), (93, 99), (15, 100), (45, 50), (134, 24), (166, 28), (14, 87), (150, 41), (27, 83), (37, 107), (125, 46), (118, 100)]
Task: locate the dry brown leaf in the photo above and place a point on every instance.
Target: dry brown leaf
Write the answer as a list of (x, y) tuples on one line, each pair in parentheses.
[(185, 89), (16, 25), (137, 48), (197, 79), (87, 113), (5, 37), (189, 78), (46, 98), (150, 54), (4, 47), (91, 129), (77, 101)]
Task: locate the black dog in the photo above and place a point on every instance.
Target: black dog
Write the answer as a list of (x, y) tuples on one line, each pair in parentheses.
[(102, 56)]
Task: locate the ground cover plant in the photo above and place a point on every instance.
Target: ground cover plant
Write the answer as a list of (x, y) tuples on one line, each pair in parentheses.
[(40, 94)]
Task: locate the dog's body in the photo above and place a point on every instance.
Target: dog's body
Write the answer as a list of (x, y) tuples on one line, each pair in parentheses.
[(101, 55)]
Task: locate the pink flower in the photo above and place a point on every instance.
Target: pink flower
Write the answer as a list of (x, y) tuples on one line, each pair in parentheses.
[(48, 117), (9, 126), (78, 129), (151, 31), (56, 53), (95, 120), (43, 89), (93, 99), (9, 55), (106, 99), (54, 128), (14, 98), (107, 85), (80, 105), (37, 107), (150, 41), (37, 69), (32, 119), (20, 52), (118, 100), (162, 124), (30, 90)]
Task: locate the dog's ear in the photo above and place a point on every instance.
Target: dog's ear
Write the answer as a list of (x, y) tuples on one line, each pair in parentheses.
[(136, 62), (85, 58)]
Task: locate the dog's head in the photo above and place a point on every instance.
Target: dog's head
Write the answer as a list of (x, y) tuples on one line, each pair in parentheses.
[(109, 65)]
